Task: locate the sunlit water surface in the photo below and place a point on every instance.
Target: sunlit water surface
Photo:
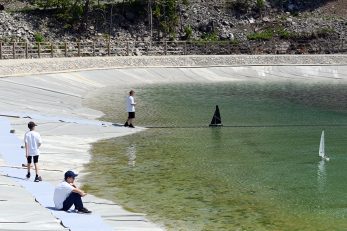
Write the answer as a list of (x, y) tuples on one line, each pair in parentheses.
[(260, 171)]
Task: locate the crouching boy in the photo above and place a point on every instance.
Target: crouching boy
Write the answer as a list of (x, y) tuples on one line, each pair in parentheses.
[(67, 194)]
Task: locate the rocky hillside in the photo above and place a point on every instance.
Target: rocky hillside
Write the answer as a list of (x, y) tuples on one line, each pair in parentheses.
[(320, 23)]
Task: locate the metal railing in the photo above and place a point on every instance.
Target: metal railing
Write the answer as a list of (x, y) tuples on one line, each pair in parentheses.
[(19, 50)]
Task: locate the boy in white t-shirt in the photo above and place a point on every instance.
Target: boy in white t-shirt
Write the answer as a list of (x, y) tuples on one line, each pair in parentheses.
[(130, 109), (32, 140), (67, 194)]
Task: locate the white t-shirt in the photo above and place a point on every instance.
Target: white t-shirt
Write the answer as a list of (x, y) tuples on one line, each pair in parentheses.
[(130, 102), (61, 192), (33, 139)]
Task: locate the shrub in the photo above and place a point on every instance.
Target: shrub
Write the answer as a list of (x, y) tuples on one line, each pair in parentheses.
[(284, 34), (188, 31), (39, 37), (185, 2), (325, 32), (210, 36), (263, 35), (260, 4)]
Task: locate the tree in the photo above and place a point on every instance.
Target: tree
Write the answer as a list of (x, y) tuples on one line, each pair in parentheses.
[(166, 14)]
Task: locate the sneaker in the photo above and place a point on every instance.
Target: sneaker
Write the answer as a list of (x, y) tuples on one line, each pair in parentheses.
[(37, 179), (126, 124), (131, 126), (83, 210), (28, 175)]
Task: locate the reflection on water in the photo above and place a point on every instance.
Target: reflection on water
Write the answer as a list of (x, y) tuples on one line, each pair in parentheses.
[(131, 154), (321, 176)]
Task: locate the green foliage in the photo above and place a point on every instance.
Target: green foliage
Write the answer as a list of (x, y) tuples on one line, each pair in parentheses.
[(210, 36), (260, 4), (285, 34), (63, 4), (324, 32), (165, 12), (39, 37), (67, 26), (75, 12), (188, 31), (185, 2), (262, 35)]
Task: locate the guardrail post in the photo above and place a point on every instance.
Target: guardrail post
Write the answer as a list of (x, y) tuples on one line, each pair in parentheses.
[(14, 50), (185, 48), (65, 49), (39, 50), (79, 49), (165, 48), (342, 45), (128, 50), (0, 49), (93, 48), (52, 50), (26, 50), (147, 48), (108, 48)]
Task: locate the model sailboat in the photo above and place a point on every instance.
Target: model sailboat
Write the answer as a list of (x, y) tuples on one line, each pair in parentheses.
[(322, 153), (216, 119)]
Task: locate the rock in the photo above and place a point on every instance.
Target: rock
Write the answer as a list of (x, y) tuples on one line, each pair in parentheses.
[(225, 23), (2, 7), (147, 39), (137, 52), (266, 19), (251, 20), (223, 36), (206, 27)]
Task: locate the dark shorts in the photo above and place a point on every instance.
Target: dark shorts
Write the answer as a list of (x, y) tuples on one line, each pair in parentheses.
[(131, 115), (36, 159)]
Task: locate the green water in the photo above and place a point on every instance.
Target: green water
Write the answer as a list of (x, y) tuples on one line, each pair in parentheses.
[(260, 171)]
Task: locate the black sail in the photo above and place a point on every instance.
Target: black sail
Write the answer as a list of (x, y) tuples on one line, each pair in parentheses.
[(216, 119)]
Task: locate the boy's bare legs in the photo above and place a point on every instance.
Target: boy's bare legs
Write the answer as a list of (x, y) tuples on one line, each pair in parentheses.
[(131, 122), (36, 169), (28, 167)]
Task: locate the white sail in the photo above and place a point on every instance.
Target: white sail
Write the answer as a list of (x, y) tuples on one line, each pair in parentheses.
[(322, 146)]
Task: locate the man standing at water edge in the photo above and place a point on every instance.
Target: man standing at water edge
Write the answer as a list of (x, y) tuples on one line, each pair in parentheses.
[(131, 109), (32, 140), (67, 194)]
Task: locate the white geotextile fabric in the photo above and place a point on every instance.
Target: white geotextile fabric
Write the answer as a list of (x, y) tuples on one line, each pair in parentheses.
[(13, 155)]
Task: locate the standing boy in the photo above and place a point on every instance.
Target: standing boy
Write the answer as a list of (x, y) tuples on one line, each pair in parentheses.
[(131, 109), (32, 140)]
